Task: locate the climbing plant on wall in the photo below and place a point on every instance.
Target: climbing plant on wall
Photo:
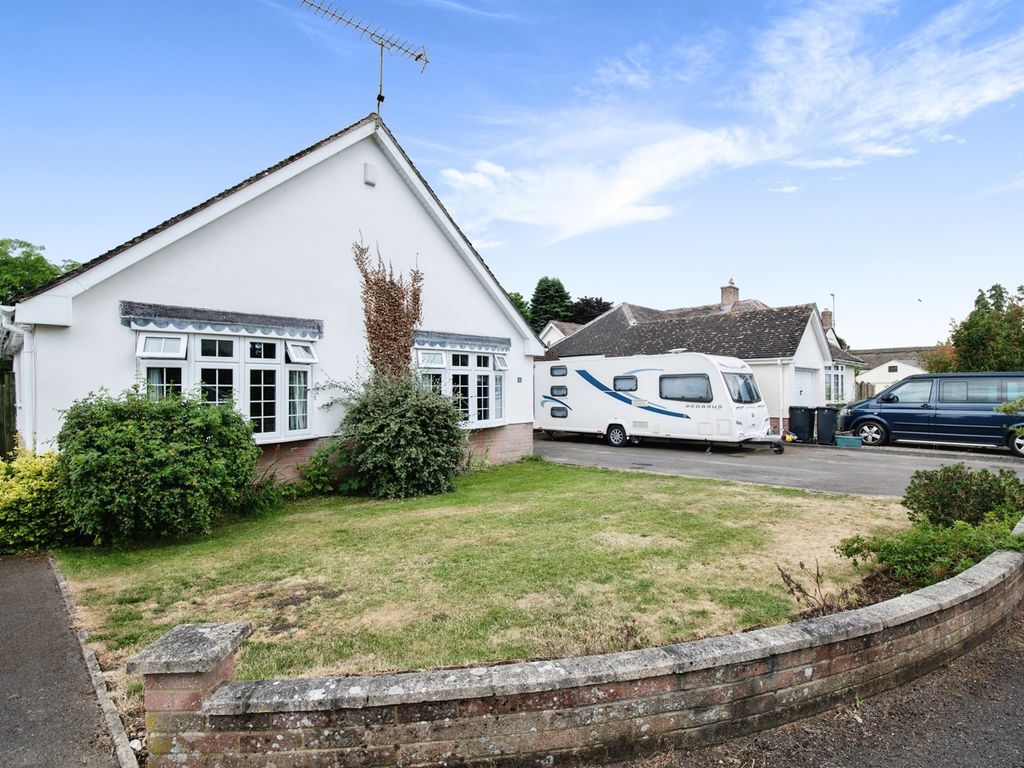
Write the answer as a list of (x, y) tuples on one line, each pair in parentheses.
[(392, 309)]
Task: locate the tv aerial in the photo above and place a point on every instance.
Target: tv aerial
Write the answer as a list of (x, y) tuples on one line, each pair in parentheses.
[(384, 40)]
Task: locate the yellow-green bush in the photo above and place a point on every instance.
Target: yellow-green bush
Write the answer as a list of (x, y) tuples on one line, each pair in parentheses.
[(29, 518)]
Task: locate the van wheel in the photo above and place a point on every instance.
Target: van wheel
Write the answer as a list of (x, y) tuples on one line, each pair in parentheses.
[(616, 436), (872, 433), (1016, 444)]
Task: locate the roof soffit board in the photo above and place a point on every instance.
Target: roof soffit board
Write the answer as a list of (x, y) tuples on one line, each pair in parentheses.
[(136, 253), (432, 204)]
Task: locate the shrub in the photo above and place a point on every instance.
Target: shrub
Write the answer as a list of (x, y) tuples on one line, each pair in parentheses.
[(29, 515), (329, 470), (132, 468), (925, 553), (943, 496), (404, 439)]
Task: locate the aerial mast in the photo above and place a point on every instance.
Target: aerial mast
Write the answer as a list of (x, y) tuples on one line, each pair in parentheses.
[(384, 40)]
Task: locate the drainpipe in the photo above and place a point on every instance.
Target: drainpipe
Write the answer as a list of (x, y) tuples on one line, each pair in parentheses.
[(24, 374), (782, 396)]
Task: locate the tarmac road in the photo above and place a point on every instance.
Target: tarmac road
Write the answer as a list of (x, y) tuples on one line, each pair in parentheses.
[(879, 471), (49, 716)]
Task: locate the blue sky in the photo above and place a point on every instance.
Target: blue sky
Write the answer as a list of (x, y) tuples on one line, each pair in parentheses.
[(644, 153)]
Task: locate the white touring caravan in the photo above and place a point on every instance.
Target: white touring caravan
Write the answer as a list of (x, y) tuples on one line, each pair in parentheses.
[(685, 395)]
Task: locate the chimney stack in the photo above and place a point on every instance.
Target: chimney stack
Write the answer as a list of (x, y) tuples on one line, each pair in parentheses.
[(730, 295), (826, 318)]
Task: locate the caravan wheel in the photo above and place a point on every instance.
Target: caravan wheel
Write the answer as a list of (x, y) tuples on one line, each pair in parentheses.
[(616, 436)]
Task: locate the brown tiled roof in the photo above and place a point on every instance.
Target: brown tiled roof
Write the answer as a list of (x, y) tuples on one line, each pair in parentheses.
[(751, 334), (841, 355), (566, 327), (875, 357)]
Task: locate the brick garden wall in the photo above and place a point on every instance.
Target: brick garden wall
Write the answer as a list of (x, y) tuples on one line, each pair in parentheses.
[(502, 444), (493, 446), (589, 709)]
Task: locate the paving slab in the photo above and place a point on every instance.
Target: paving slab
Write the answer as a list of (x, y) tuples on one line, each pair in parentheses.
[(49, 715)]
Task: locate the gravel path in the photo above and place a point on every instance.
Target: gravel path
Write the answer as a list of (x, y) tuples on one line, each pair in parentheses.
[(49, 715), (965, 715)]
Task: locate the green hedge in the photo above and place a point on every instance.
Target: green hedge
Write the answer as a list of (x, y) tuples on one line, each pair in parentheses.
[(29, 516), (132, 468)]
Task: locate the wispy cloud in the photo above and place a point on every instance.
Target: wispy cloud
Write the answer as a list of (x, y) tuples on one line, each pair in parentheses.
[(1015, 184), (785, 189), (823, 89)]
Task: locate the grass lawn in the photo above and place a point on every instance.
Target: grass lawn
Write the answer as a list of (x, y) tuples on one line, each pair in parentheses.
[(527, 560)]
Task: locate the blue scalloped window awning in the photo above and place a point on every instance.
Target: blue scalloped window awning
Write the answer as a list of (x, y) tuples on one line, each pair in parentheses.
[(460, 341), (141, 316)]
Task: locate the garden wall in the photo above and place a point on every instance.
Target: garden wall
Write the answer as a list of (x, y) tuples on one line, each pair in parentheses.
[(589, 709)]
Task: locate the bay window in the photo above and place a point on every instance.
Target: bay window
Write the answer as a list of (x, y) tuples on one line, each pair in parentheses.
[(474, 380)]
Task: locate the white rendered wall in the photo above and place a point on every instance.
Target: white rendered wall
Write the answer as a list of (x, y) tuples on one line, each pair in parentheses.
[(286, 252), (881, 378)]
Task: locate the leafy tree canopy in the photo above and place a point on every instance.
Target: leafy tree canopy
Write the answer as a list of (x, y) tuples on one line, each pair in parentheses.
[(23, 268), (551, 301), (520, 304), (586, 308), (990, 338)]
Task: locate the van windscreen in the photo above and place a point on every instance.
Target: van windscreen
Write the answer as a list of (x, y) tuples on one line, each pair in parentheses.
[(742, 387)]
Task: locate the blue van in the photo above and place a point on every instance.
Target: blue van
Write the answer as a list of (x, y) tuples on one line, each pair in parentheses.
[(941, 408)]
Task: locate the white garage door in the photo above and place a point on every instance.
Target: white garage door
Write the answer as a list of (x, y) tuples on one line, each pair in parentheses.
[(805, 387)]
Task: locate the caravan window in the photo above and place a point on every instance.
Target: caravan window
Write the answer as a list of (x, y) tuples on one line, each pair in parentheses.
[(559, 391), (559, 370), (742, 387), (558, 412), (690, 387), (624, 383)]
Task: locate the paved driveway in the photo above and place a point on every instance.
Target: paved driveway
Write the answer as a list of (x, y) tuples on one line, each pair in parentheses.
[(873, 471)]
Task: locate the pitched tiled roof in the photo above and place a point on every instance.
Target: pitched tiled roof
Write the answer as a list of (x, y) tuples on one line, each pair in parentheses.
[(566, 327), (751, 334), (841, 355), (875, 357)]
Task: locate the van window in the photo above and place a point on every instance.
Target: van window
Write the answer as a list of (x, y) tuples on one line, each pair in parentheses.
[(917, 391), (742, 387), (624, 383), (969, 391), (559, 370), (558, 412), (1014, 388), (690, 387), (559, 391)]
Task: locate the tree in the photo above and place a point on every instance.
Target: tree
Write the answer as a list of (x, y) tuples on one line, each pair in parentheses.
[(520, 304), (586, 308), (550, 302), (991, 337), (23, 268), (942, 359)]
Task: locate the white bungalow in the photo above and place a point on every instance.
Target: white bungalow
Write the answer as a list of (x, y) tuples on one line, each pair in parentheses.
[(253, 295)]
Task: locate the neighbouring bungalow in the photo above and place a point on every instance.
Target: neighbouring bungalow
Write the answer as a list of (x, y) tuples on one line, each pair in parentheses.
[(886, 366), (253, 296), (556, 330), (794, 360)]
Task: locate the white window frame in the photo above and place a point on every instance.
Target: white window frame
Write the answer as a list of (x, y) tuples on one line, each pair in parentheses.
[(293, 346), (497, 364), (423, 359), (161, 364), (235, 342), (246, 384), (140, 347), (278, 358), (223, 364), (309, 399)]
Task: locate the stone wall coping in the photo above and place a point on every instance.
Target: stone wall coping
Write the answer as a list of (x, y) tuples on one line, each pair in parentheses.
[(311, 694), (190, 649)]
